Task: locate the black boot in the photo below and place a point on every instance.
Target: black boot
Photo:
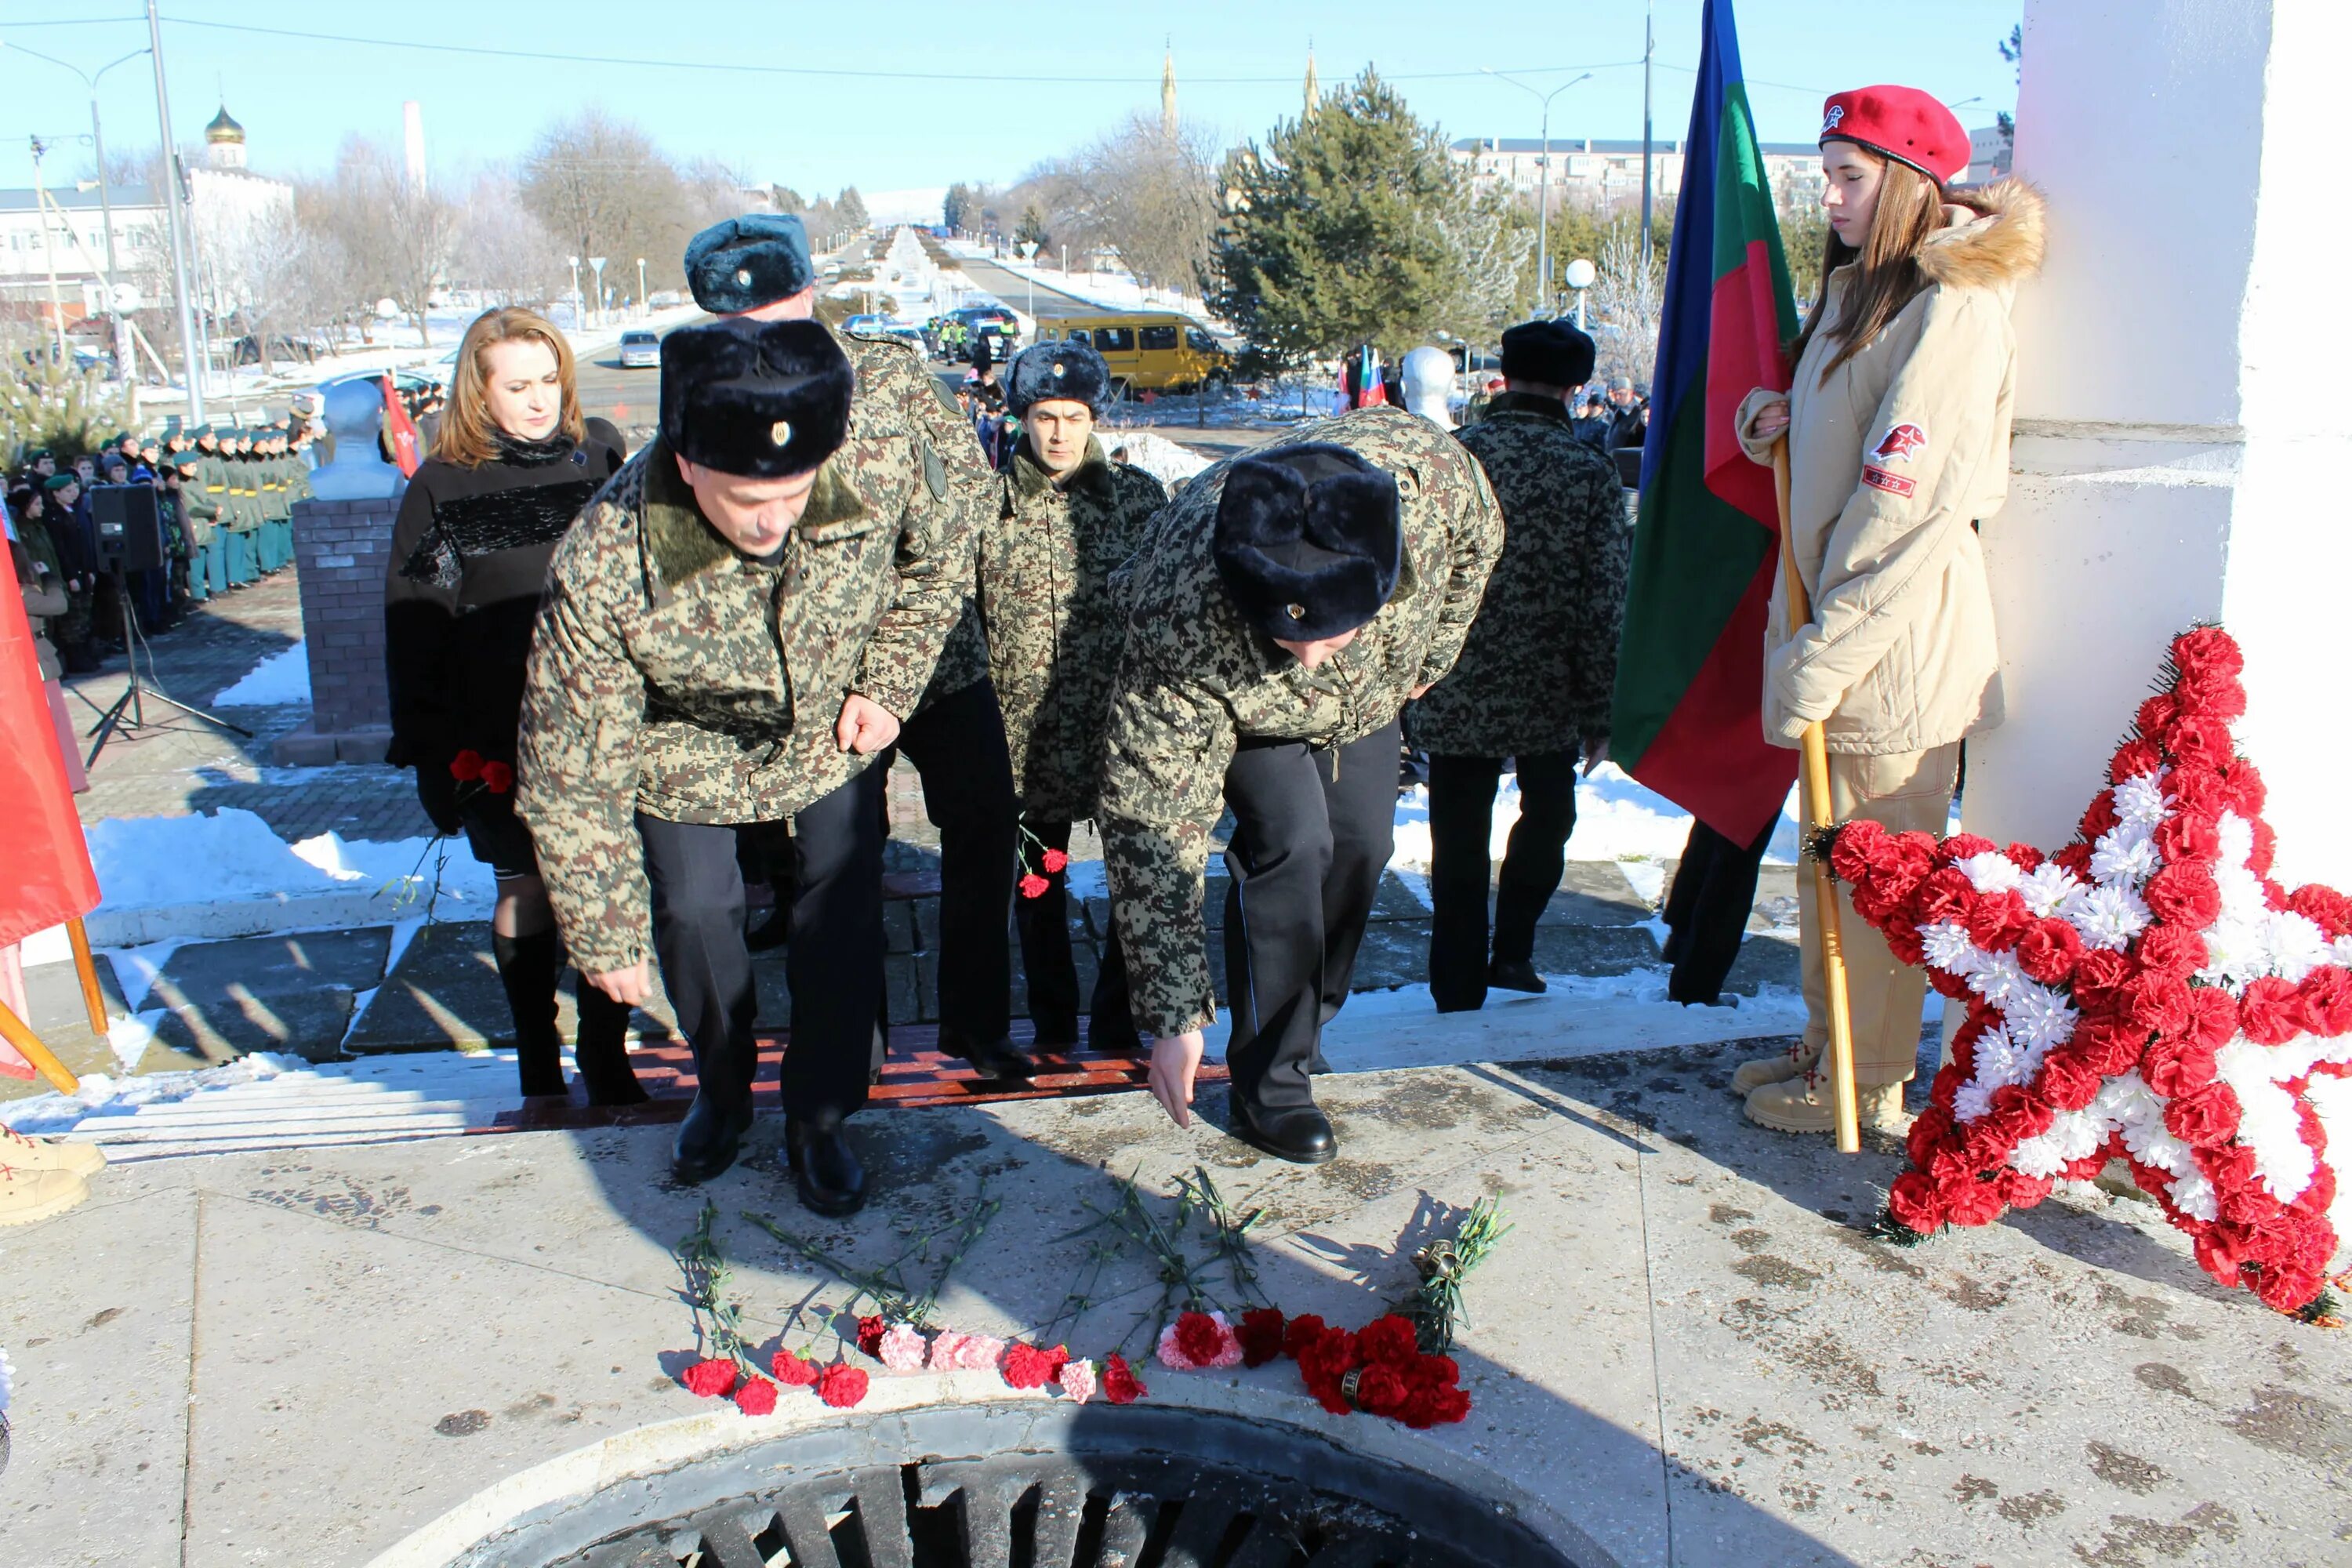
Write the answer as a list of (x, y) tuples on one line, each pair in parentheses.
[(529, 967), (824, 1167), (711, 1133), (1515, 974), (1302, 1136), (993, 1059), (602, 1049)]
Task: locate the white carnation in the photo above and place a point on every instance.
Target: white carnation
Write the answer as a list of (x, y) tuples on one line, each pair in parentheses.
[(2044, 888), (2296, 945), (2106, 916), (1991, 872), (2237, 838), (2194, 1195), (2139, 800), (2037, 1156), (1970, 1102), (2126, 853), (1946, 946)]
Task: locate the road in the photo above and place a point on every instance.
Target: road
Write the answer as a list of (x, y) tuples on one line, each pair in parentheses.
[(1052, 304)]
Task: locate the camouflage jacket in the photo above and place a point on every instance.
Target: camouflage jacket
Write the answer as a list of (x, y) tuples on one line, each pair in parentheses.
[(1054, 625), (1194, 679), (1536, 671), (671, 675)]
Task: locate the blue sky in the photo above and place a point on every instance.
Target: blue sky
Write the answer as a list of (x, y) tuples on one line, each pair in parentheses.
[(297, 97)]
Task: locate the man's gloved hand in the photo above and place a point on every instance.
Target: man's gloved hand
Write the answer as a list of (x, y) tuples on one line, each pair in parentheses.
[(437, 792)]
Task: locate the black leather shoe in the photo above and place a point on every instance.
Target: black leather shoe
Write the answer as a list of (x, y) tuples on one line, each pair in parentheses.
[(1302, 1137), (1055, 1031), (990, 1058), (1515, 974), (707, 1139), (824, 1165)]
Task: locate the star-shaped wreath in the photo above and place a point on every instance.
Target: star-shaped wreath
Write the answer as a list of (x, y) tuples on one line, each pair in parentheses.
[(2146, 994)]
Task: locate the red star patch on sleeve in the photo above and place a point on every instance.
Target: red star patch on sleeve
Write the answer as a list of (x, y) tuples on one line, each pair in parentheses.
[(2147, 994)]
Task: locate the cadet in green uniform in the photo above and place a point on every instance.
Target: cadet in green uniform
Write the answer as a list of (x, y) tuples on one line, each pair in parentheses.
[(1280, 613), (200, 522), (1534, 679), (731, 632), (1069, 517)]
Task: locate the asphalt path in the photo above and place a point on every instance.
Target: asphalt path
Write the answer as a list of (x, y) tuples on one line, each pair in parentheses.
[(1052, 304)]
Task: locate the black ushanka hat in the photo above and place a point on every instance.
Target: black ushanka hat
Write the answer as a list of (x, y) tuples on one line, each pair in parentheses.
[(1552, 352), (763, 400), (1307, 541), (746, 262), (1046, 372)]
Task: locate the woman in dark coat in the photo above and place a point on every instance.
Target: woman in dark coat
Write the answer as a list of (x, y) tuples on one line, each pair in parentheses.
[(512, 465)]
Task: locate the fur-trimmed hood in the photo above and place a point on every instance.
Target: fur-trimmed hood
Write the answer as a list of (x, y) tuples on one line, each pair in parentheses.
[(1992, 237)]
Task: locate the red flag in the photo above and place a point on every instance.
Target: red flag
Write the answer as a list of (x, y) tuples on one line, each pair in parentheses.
[(400, 429), (46, 878)]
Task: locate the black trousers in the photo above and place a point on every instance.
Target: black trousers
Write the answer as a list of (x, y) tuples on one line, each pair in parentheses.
[(1312, 832), (1461, 812), (834, 964), (1707, 910), (957, 744), (1044, 923)]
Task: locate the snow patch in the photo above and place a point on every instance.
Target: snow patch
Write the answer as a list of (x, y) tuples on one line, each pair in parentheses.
[(1163, 459), (279, 680)]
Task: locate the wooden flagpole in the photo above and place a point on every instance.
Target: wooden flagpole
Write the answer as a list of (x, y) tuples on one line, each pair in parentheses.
[(93, 999), (1815, 809), (19, 1034)]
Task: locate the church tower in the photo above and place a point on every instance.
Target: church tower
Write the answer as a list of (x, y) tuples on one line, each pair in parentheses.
[(224, 143), (1167, 94), (1312, 92)]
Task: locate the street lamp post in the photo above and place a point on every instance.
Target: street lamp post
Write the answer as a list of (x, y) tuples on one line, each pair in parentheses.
[(597, 262), (1580, 274), (1028, 255), (1543, 200), (576, 301), (175, 223), (644, 304), (105, 201)]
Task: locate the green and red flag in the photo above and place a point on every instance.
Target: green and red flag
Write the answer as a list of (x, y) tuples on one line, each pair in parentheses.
[(1690, 671)]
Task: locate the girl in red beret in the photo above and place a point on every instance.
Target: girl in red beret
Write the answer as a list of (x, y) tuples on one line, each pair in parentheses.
[(1898, 423)]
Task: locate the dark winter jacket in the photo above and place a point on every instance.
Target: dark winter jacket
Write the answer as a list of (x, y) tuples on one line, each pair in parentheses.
[(469, 554)]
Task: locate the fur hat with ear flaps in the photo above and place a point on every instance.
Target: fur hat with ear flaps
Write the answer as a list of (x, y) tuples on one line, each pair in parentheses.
[(1307, 541), (1046, 372), (764, 400), (743, 263)]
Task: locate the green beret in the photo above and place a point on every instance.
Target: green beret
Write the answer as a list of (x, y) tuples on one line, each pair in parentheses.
[(59, 481)]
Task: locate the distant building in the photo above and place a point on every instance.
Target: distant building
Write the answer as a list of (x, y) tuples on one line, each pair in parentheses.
[(1989, 154), (1588, 172), (76, 243), (242, 221)]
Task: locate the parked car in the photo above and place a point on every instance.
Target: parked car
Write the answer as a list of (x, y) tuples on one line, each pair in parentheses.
[(994, 322), (282, 346), (1146, 351), (640, 350)]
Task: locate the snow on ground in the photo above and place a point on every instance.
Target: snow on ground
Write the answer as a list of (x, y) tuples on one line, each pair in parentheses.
[(158, 861), (1110, 290), (1156, 454), (282, 678), (1616, 820)]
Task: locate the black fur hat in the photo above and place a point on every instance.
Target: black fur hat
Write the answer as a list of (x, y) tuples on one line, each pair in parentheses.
[(1045, 372), (746, 262), (762, 399), (1552, 352), (1308, 539)]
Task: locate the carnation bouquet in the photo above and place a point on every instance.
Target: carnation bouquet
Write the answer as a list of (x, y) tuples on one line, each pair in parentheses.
[(2147, 994)]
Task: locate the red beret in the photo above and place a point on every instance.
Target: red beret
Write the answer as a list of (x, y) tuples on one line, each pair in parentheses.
[(1903, 123)]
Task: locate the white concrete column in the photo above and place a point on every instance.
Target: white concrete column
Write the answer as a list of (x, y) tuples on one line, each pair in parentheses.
[(2184, 432)]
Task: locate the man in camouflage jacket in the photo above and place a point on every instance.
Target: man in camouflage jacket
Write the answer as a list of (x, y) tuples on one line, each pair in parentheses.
[(731, 632), (1533, 682), (1367, 538), (1068, 518)]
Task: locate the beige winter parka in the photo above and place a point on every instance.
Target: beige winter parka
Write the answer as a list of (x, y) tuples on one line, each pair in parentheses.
[(1892, 459)]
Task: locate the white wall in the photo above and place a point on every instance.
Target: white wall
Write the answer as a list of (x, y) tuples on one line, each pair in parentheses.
[(2182, 443)]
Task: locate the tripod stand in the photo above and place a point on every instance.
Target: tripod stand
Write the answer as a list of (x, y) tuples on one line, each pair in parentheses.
[(128, 712)]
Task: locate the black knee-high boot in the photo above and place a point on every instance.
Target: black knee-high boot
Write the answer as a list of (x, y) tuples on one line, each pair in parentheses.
[(529, 967), (602, 1049)]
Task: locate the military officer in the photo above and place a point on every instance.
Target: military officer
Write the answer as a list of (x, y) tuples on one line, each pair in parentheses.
[(731, 631), (1281, 611), (1069, 517), (955, 736), (199, 526), (1533, 682)]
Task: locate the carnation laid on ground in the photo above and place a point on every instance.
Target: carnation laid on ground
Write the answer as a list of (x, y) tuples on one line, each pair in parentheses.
[(1198, 1341), (902, 1349), (1078, 1381)]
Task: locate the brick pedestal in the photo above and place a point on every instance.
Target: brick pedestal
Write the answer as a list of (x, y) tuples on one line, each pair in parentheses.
[(341, 549)]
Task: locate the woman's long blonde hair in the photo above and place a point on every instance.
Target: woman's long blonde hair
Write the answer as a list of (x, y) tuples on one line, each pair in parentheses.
[(1910, 210), (469, 435)]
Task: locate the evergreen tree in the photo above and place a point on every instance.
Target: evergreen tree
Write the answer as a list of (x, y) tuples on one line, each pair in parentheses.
[(1354, 226), (1032, 229), (959, 207), (850, 208)]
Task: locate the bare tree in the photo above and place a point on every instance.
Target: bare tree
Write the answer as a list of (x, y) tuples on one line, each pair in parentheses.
[(600, 188), (1149, 195), (503, 250), (1629, 299)]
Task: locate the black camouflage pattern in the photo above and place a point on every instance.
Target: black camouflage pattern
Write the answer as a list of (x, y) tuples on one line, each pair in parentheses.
[(1194, 679), (1541, 660), (671, 675)]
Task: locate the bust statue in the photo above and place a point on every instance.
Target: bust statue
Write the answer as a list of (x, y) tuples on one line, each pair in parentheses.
[(357, 471), (1428, 376)]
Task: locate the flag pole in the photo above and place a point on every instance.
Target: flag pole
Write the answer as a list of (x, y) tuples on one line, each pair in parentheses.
[(1814, 809), (19, 1034)]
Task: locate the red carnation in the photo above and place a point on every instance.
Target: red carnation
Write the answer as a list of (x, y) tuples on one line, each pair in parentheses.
[(1119, 1384), (1926, 1133), (1026, 1366), (1998, 921), (2196, 742), (2074, 859), (497, 777), (870, 1329), (1435, 1406), (1389, 1341), (2100, 976), (1383, 1391), (2018, 1113), (841, 1385), (1300, 1333), (2185, 894), (757, 1396), (1903, 941), (2068, 1081), (1964, 846), (2324, 1002), (792, 1371), (1199, 1338), (2173, 950), (1033, 886), (2186, 836), (2268, 1013), (1972, 1202), (2199, 790), (1915, 1201), (2158, 712), (1052, 861), (2021, 1191), (2325, 908), (2049, 951), (2263, 852), (2132, 759), (2177, 1067), (2247, 791), (2100, 818), (466, 766), (2213, 1021), (2207, 656), (1261, 1334), (2205, 1118), (2158, 1003), (1850, 854), (2109, 1045), (711, 1376), (1943, 896)]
